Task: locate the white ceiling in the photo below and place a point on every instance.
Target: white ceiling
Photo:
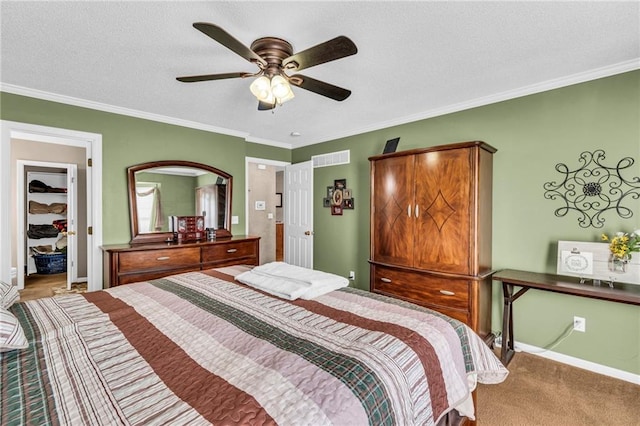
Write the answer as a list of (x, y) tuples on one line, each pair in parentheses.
[(415, 59)]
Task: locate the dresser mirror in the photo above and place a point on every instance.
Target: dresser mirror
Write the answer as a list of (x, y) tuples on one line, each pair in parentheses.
[(161, 189)]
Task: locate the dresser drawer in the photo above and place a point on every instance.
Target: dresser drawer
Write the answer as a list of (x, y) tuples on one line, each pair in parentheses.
[(132, 261), (152, 275), (449, 293), (219, 253)]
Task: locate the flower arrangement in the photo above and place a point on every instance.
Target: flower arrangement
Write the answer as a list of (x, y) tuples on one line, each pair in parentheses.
[(622, 244)]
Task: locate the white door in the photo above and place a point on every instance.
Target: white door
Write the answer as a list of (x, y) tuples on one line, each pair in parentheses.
[(46, 175), (298, 214), (72, 224)]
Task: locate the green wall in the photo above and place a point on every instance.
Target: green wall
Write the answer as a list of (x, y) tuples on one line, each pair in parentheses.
[(178, 193), (127, 141), (532, 135)]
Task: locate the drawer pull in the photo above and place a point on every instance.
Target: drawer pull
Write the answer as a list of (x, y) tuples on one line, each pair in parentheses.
[(232, 250), (164, 258), (447, 292), (385, 280)]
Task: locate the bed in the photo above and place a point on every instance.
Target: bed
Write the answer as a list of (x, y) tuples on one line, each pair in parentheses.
[(202, 348)]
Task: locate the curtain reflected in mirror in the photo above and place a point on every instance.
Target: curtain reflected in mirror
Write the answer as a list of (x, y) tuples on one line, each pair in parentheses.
[(150, 216)]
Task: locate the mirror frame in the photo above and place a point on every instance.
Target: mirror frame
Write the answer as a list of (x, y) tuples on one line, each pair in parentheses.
[(155, 237)]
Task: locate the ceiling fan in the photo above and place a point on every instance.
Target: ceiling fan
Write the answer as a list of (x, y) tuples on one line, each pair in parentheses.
[(274, 56)]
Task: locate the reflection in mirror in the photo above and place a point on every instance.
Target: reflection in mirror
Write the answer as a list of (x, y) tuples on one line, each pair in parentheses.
[(162, 189)]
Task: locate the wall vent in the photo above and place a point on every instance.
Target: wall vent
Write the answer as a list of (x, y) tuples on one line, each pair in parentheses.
[(331, 159)]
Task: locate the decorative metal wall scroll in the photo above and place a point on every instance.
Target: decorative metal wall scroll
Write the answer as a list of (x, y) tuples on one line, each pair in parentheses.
[(339, 197), (594, 188)]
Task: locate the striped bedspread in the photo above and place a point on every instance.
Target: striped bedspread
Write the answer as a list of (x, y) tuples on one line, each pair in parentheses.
[(199, 348)]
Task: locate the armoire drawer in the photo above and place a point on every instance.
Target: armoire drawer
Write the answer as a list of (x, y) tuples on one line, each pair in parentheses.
[(447, 292), (158, 259), (223, 253)]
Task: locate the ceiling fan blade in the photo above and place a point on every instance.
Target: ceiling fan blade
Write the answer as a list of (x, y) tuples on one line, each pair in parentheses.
[(227, 40), (320, 87), (207, 77), (265, 106), (331, 50)]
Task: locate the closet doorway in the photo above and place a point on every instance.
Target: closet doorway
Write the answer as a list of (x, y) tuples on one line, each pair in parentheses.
[(47, 220)]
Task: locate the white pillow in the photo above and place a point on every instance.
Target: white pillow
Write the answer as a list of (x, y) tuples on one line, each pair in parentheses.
[(8, 295), (11, 333)]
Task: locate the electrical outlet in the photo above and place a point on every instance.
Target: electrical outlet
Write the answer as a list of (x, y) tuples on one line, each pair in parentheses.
[(579, 324), (352, 275)]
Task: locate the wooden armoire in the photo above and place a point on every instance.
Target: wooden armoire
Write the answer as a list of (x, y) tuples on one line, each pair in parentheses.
[(431, 229)]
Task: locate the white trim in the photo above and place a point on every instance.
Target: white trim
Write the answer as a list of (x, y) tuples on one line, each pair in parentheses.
[(557, 83), (248, 160), (577, 362), (268, 142), (69, 100), (265, 161), (92, 142), (544, 86)]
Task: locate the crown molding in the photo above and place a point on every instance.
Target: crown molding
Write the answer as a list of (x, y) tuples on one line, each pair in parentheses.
[(545, 86), (582, 77), (69, 100), (268, 142)]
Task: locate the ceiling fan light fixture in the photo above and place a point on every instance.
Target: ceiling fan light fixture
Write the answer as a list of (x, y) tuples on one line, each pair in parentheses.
[(281, 89), (272, 90), (261, 89)]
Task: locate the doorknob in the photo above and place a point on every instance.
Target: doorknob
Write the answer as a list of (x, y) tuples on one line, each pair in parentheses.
[(308, 233), (71, 233)]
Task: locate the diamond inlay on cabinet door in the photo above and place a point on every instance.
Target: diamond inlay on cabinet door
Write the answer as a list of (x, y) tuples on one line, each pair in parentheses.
[(440, 210), (391, 211)]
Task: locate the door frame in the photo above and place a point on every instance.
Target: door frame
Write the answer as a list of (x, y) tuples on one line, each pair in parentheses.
[(92, 143), (266, 162)]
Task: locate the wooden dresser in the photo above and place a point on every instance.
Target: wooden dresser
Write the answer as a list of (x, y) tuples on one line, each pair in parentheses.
[(431, 229), (129, 263)]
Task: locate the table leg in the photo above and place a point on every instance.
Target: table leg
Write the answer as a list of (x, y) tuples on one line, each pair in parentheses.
[(507, 350)]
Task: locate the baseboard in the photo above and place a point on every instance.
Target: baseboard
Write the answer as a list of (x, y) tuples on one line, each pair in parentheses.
[(575, 362)]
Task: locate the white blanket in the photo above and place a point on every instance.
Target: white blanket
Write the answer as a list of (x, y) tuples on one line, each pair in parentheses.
[(291, 282)]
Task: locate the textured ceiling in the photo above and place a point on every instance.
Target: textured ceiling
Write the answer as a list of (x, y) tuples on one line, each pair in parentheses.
[(415, 59)]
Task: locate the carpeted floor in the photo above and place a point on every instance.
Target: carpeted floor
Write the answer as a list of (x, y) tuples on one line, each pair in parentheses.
[(542, 392)]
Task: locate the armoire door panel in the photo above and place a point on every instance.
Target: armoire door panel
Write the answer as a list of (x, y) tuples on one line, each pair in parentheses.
[(445, 199), (392, 218)]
